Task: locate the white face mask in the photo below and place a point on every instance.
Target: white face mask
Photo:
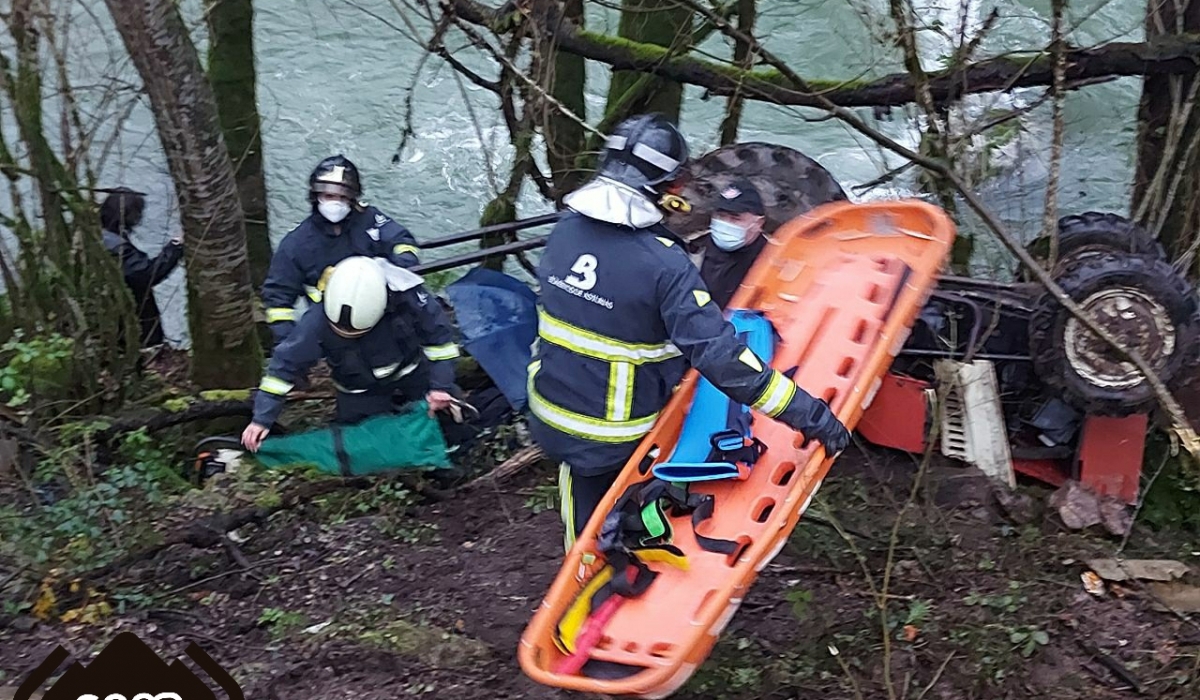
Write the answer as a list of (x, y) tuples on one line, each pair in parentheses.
[(727, 235), (334, 211)]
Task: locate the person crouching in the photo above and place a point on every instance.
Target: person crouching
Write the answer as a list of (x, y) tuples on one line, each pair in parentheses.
[(385, 338)]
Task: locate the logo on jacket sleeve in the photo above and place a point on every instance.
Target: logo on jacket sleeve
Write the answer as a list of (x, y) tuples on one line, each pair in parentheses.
[(127, 669), (380, 219)]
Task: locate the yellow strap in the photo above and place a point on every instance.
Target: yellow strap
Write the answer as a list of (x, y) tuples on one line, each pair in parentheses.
[(280, 313), (402, 248), (581, 608)]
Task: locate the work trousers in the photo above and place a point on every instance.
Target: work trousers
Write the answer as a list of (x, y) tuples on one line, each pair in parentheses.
[(578, 498)]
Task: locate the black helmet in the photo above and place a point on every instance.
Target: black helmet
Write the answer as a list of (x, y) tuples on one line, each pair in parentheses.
[(335, 175), (643, 152)]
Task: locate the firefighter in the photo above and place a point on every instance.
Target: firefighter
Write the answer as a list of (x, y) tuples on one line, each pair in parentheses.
[(120, 213), (339, 226), (735, 238), (623, 313), (385, 338)]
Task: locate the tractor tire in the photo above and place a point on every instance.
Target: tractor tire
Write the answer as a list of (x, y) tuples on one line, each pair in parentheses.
[(1081, 235), (1143, 302)]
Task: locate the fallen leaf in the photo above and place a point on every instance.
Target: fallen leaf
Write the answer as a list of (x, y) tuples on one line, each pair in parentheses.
[(910, 633), (1092, 583), (1179, 597), (1138, 569)]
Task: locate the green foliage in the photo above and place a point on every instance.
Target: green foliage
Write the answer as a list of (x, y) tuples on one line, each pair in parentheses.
[(34, 367), (1172, 501), (86, 519), (798, 599), (544, 497), (281, 622)]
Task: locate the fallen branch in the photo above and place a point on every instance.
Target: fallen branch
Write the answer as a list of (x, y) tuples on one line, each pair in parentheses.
[(522, 458), (1160, 56), (210, 531)]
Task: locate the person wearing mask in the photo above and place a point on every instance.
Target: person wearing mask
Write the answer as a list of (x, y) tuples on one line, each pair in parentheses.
[(735, 239), (385, 338), (623, 312), (339, 226), (121, 212)]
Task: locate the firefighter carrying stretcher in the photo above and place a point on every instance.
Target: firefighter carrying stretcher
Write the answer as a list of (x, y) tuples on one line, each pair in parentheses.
[(623, 314)]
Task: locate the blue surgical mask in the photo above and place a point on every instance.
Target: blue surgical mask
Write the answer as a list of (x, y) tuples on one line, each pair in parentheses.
[(727, 235)]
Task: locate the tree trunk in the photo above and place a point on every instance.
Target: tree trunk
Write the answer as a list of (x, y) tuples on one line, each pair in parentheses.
[(231, 72), (664, 23), (225, 349), (1166, 185), (565, 137), (744, 59)]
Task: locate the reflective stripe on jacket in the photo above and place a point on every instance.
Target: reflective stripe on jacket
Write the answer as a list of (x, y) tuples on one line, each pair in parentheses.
[(623, 314)]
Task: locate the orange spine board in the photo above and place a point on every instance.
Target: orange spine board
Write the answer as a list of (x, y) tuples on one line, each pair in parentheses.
[(843, 285)]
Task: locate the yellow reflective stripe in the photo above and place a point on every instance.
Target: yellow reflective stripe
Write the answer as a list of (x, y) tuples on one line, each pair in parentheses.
[(566, 505), (280, 313), (600, 347), (274, 385), (449, 351), (402, 248), (579, 425), (619, 404), (313, 293), (778, 395)]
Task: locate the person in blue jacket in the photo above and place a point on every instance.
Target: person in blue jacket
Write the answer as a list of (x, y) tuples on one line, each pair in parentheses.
[(339, 226), (385, 338), (623, 313)]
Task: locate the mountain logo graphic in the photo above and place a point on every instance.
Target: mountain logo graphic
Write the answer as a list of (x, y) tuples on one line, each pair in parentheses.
[(127, 669)]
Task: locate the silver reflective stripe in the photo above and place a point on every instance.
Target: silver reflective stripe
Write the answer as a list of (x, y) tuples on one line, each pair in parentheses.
[(600, 347), (381, 373), (616, 143), (658, 159), (780, 392)]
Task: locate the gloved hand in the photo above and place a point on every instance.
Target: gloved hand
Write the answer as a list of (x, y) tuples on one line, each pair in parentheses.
[(825, 428)]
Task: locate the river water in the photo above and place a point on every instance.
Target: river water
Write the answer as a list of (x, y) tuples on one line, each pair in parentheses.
[(334, 74)]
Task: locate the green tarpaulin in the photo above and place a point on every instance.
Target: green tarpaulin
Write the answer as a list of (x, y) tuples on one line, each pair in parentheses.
[(409, 440)]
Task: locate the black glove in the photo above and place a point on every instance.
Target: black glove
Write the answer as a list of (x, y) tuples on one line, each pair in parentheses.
[(824, 427)]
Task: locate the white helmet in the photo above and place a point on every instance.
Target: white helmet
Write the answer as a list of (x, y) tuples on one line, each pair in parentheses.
[(355, 296)]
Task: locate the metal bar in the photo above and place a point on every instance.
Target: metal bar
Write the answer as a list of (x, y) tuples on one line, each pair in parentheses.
[(510, 227), (950, 356), (480, 255)]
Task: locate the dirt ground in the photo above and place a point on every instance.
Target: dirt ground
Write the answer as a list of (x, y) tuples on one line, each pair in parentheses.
[(372, 595)]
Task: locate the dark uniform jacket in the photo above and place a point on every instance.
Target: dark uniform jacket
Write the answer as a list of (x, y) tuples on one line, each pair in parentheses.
[(142, 274), (724, 270), (300, 263), (413, 340), (623, 312)]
